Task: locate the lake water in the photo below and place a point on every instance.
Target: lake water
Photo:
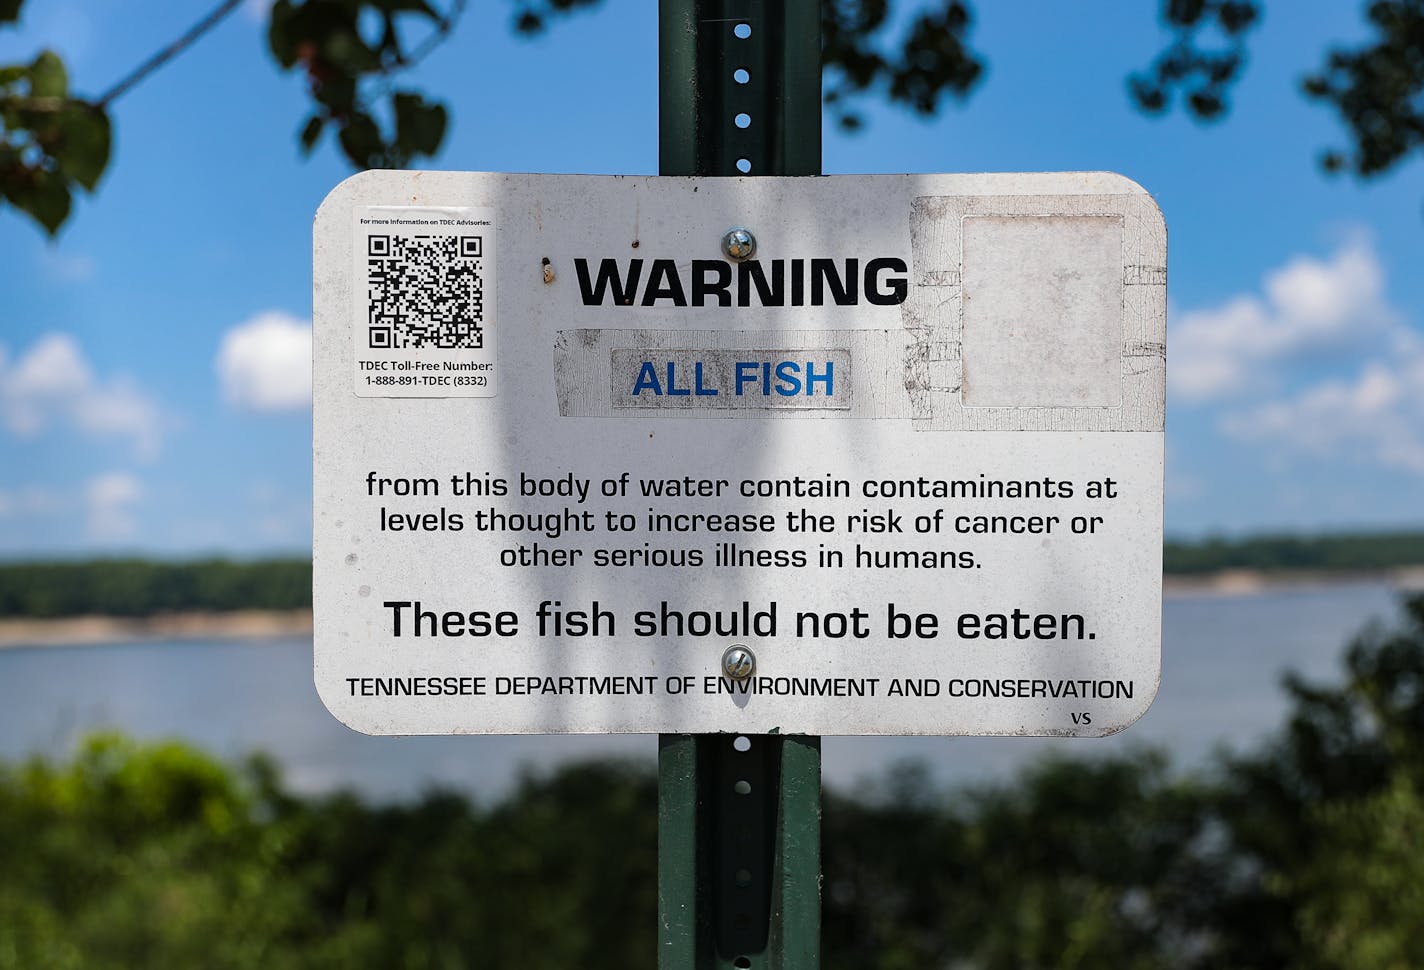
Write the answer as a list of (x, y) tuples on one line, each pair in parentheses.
[(1223, 658)]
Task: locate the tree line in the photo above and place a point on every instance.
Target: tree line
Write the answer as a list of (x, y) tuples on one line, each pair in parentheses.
[(1285, 552), (1302, 853), (143, 587)]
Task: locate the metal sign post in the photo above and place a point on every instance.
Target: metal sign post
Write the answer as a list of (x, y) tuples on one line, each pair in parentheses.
[(739, 818)]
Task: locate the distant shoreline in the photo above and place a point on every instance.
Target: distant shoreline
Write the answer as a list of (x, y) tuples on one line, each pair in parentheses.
[(73, 631), (1247, 582), (77, 631)]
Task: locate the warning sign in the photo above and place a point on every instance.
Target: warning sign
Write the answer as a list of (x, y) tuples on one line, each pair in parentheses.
[(895, 470)]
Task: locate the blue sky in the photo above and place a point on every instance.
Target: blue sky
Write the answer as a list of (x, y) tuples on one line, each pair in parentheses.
[(154, 391)]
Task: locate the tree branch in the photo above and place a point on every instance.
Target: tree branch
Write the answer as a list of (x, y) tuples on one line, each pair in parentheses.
[(193, 34), (443, 28)]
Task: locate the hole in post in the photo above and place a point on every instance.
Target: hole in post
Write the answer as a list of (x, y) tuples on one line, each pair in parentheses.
[(744, 165), (743, 30), (742, 788), (742, 743), (743, 120), (741, 75), (742, 963), (744, 877)]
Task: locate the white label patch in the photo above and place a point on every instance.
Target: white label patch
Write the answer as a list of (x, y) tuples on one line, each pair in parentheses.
[(423, 320)]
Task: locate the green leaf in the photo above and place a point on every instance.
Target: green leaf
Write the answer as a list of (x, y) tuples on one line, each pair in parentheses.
[(43, 195), (279, 33), (414, 6), (338, 93), (361, 140), (311, 132), (84, 152), (48, 79), (420, 127), (10, 11), (10, 73), (346, 51)]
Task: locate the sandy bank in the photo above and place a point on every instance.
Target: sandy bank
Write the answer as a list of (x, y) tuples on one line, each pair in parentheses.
[(1249, 582), (79, 630)]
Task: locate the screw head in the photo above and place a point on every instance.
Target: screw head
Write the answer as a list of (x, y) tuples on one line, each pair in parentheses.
[(738, 662), (739, 244)]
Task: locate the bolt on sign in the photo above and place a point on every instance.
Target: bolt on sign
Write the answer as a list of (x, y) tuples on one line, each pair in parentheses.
[(846, 455)]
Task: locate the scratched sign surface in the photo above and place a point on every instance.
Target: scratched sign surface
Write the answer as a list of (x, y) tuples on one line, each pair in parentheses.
[(569, 451)]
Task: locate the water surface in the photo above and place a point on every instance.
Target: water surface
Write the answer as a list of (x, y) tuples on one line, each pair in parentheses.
[(1223, 658)]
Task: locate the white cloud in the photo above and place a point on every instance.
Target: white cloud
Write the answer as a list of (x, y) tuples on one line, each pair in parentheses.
[(1377, 416), (1330, 315), (64, 267), (1307, 305), (110, 499), (264, 363), (280, 518), (1181, 484), (53, 383), (257, 10), (28, 501)]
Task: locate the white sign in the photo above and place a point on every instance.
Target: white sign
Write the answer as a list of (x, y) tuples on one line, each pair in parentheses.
[(908, 454)]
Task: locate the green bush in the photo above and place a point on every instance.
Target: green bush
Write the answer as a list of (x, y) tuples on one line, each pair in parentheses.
[(1302, 854)]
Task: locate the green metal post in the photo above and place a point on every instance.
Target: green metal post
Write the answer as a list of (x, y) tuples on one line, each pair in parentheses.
[(739, 876), (701, 92)]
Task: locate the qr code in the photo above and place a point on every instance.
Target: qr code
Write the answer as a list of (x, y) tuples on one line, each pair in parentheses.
[(425, 291)]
